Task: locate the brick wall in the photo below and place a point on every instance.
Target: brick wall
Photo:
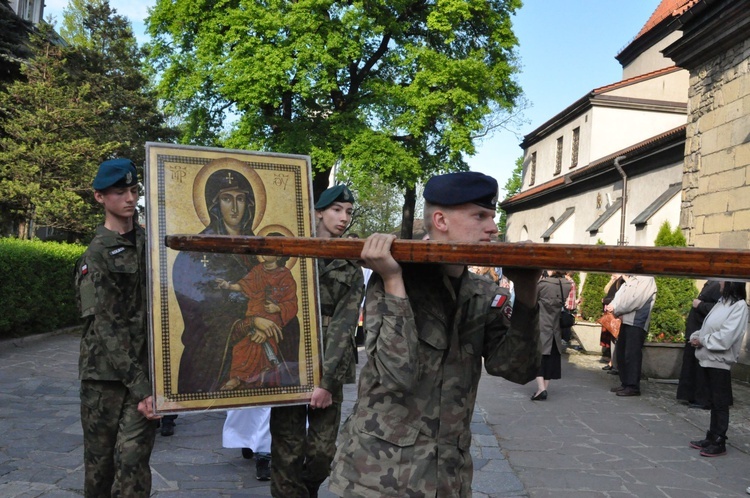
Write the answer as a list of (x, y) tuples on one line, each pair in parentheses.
[(716, 180)]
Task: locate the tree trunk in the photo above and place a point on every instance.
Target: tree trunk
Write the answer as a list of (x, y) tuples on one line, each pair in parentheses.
[(320, 182), (22, 229), (407, 218)]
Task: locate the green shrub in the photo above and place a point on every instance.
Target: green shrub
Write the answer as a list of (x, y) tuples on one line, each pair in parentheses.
[(36, 286), (674, 296), (576, 276), (592, 295)]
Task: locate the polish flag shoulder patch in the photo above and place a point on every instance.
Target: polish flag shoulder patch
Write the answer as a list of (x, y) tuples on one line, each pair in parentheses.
[(84, 269), (498, 301)]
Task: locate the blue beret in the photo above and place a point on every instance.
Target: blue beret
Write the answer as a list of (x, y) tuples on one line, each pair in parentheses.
[(339, 193), (116, 172), (463, 187)]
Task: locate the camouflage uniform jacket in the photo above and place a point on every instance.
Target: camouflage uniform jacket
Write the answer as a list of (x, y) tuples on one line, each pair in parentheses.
[(111, 291), (341, 289), (409, 432)]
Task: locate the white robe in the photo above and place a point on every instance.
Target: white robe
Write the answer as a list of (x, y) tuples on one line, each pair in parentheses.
[(248, 428)]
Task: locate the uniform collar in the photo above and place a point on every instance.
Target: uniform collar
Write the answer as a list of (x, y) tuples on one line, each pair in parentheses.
[(111, 238)]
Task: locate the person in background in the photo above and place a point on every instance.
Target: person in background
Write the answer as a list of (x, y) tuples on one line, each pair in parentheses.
[(430, 329), (303, 438), (633, 304), (167, 425), (487, 271), (552, 292), (117, 412), (717, 346), (571, 304), (249, 429), (690, 389), (506, 283), (607, 340)]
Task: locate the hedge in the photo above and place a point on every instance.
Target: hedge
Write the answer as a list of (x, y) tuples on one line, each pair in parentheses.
[(592, 295), (36, 286)]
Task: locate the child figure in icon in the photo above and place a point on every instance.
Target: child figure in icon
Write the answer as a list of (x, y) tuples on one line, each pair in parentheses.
[(265, 344)]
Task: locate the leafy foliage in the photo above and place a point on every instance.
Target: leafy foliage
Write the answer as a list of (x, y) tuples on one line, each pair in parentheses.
[(396, 89), (674, 296), (36, 286), (107, 57), (49, 153), (77, 106), (378, 207), (592, 295)]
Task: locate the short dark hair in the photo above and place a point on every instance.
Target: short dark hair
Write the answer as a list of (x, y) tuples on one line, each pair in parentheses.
[(280, 260)]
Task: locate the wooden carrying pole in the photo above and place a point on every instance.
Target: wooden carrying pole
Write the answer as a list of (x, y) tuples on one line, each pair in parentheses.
[(673, 261)]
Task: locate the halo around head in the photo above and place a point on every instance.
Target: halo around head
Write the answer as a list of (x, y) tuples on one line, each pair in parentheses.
[(199, 186), (263, 232)]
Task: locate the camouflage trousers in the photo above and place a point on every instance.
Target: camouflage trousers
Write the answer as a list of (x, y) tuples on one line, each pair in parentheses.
[(302, 458), (117, 441)]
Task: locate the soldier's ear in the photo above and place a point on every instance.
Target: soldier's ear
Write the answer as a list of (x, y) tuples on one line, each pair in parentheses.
[(439, 220)]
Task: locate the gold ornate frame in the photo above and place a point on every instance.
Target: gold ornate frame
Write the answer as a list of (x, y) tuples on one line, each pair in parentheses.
[(184, 300)]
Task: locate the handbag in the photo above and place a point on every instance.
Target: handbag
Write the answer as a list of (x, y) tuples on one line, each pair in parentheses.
[(610, 323), (567, 319)]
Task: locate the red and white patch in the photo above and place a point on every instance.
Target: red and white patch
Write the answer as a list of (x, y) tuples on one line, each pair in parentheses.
[(498, 301), (84, 269)]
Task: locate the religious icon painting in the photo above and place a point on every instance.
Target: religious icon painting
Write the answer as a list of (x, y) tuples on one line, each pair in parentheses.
[(229, 330)]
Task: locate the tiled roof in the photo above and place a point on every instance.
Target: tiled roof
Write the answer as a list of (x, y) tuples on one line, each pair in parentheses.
[(588, 99), (539, 188), (667, 8), (599, 163), (635, 79), (629, 150)]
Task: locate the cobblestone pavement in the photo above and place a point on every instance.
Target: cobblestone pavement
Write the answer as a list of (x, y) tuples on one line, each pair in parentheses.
[(41, 444), (581, 442)]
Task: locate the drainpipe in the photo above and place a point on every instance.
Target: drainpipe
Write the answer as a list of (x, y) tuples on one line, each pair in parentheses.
[(621, 242)]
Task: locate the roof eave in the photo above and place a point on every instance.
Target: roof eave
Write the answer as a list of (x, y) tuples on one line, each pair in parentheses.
[(604, 165), (573, 110), (645, 41)]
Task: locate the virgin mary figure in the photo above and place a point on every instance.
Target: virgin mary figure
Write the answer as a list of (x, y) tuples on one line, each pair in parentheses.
[(207, 311)]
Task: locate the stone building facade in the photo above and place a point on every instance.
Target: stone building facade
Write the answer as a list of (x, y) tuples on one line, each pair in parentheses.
[(715, 48)]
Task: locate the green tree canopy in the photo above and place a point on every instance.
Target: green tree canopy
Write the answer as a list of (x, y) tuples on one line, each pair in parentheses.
[(49, 154), (106, 56), (400, 89), (377, 207), (78, 105)]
